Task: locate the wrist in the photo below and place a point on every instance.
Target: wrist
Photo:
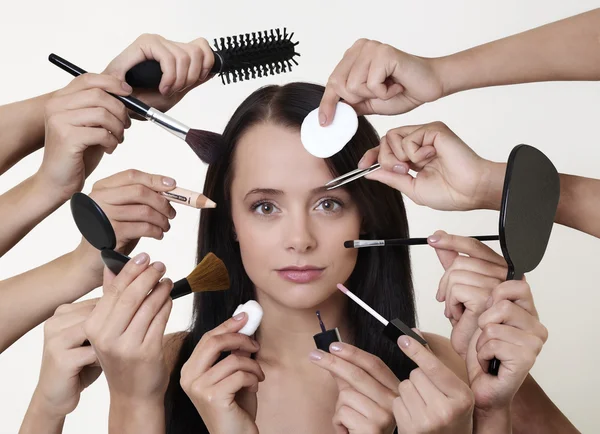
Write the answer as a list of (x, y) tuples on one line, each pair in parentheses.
[(44, 189), (40, 409), (491, 186), (445, 70), (128, 414), (492, 420), (87, 258)]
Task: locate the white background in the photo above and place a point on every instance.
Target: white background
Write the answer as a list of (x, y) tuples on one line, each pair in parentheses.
[(561, 119)]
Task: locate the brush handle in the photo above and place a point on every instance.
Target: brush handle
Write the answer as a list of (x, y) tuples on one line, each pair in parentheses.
[(130, 102), (421, 241), (180, 288), (147, 74)]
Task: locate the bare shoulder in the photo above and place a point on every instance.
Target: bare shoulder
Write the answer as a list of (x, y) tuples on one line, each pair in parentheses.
[(171, 345), (442, 348)]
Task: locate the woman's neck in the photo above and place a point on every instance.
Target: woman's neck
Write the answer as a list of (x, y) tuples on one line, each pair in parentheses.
[(286, 334)]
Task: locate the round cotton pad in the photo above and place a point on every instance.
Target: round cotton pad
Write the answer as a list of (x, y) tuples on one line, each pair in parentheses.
[(255, 314), (323, 142)]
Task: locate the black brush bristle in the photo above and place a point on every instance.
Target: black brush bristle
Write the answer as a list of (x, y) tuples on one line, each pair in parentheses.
[(239, 58), (207, 145)]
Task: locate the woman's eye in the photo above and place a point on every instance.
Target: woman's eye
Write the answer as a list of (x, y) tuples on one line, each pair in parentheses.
[(265, 208), (329, 205)]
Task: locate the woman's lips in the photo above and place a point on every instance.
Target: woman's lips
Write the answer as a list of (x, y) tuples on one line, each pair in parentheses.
[(300, 274)]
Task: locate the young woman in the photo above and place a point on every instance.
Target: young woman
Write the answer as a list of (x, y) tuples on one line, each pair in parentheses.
[(281, 235)]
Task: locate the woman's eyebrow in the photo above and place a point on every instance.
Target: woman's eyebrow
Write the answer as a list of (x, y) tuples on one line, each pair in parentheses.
[(275, 192), (265, 191)]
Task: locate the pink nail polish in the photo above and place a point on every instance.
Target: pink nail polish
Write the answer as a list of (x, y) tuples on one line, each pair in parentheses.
[(239, 316), (403, 341), (335, 347), (315, 355), (141, 258), (126, 87), (322, 119), (401, 169), (434, 238), (159, 266), (168, 182)]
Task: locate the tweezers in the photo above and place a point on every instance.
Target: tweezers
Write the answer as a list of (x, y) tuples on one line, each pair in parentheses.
[(351, 176)]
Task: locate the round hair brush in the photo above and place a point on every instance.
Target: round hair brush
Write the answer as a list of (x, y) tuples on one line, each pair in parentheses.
[(237, 58)]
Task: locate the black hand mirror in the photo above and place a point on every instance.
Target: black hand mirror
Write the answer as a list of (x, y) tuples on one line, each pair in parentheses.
[(97, 230), (529, 202)]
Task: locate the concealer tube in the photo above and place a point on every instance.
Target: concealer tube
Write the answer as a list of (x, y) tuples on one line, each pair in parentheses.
[(189, 198)]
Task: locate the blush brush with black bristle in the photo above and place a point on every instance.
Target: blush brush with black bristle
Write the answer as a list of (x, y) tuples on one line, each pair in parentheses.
[(206, 144), (237, 58)]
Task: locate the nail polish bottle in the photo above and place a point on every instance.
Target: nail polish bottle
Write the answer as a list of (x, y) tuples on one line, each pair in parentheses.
[(326, 337)]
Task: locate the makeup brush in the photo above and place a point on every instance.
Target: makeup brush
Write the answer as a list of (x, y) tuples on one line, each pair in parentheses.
[(206, 144), (209, 275), (357, 244), (393, 329), (237, 58)]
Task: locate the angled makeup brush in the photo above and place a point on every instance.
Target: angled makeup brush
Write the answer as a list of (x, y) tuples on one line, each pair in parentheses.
[(237, 58), (206, 144), (357, 244), (209, 275)]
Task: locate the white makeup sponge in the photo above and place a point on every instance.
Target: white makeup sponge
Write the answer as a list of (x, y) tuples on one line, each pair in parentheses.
[(323, 142), (255, 314)]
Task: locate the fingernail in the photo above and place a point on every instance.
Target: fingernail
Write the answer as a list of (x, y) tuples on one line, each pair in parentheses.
[(433, 238), (430, 154), (141, 258), (255, 343), (239, 316), (315, 355), (172, 213), (159, 266), (166, 90), (126, 87), (322, 119), (403, 341), (401, 169), (168, 182), (335, 347), (489, 303), (360, 161)]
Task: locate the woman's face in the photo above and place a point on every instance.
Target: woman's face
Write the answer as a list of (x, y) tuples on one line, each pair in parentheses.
[(291, 230)]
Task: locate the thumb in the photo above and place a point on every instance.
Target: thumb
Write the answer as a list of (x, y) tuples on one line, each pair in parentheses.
[(445, 256)]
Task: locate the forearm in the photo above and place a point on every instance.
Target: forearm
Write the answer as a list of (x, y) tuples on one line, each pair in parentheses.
[(22, 208), (38, 421), (128, 417), (564, 50), (534, 412), (30, 298), (578, 206), (21, 130)]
